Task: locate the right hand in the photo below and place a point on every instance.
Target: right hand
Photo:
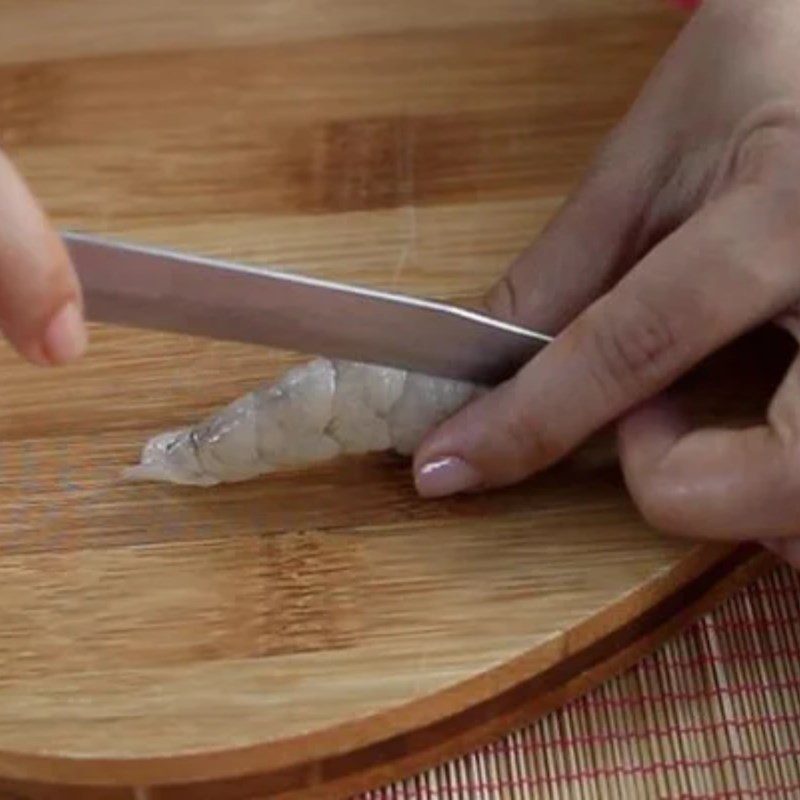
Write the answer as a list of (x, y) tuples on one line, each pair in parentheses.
[(41, 310)]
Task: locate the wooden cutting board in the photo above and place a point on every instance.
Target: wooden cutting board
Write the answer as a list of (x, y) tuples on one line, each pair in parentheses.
[(304, 633)]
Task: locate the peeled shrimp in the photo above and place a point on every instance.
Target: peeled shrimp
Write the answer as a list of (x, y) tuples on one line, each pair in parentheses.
[(314, 413)]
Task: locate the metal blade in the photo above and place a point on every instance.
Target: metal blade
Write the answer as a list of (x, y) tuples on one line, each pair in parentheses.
[(151, 288)]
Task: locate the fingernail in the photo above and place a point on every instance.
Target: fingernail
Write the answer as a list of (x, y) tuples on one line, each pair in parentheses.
[(446, 476), (65, 338)]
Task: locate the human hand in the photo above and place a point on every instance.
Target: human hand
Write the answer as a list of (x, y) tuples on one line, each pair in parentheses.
[(684, 234), (40, 299)]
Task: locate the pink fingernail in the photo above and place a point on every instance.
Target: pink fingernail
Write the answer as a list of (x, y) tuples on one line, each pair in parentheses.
[(65, 338), (446, 476)]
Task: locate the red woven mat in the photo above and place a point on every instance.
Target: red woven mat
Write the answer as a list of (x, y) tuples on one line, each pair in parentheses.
[(714, 714)]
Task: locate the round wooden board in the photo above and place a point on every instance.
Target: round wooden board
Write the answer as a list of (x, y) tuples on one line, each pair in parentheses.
[(286, 635)]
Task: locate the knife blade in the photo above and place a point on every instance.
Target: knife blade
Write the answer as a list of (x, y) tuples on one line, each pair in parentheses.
[(147, 287)]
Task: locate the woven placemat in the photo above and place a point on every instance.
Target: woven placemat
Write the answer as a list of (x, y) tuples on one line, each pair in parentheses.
[(715, 713)]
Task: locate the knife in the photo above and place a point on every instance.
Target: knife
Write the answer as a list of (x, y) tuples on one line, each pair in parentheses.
[(146, 287)]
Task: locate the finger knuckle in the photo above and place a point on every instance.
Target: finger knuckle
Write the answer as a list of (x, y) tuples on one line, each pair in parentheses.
[(659, 513), (540, 446), (630, 348), (535, 442), (502, 301), (767, 147), (660, 504)]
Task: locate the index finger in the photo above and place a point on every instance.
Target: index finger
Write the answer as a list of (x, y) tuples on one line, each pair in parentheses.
[(40, 300)]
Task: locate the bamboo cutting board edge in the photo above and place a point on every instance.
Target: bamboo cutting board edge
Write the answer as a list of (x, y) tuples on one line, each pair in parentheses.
[(350, 757)]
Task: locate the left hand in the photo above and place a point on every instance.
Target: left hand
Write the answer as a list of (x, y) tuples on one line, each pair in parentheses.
[(684, 235)]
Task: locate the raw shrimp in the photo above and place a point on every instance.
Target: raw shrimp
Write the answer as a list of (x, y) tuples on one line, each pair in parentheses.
[(314, 413)]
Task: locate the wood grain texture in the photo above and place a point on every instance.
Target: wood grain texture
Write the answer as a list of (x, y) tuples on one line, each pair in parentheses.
[(264, 637)]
